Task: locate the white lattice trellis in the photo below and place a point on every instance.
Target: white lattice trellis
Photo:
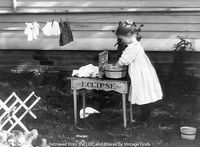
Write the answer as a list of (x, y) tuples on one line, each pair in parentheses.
[(10, 108)]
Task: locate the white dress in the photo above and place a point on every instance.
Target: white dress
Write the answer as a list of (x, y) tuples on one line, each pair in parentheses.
[(145, 87)]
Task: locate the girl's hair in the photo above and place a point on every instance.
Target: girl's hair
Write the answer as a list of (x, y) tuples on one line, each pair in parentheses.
[(128, 27)]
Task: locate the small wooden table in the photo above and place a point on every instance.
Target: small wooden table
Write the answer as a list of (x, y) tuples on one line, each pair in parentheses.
[(120, 86)]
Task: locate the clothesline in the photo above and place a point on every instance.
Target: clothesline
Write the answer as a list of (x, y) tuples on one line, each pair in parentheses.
[(79, 20)]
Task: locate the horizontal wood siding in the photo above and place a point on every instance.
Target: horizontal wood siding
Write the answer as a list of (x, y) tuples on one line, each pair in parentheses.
[(105, 5), (92, 22)]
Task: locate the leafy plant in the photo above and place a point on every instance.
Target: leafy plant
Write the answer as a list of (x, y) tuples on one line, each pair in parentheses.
[(182, 45)]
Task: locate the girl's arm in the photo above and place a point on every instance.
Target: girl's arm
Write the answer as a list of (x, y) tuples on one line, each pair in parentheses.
[(128, 55)]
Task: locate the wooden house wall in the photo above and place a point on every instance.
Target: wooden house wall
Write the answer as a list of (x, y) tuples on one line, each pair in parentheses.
[(92, 22)]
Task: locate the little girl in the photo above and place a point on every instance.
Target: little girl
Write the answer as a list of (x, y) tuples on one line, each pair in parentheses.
[(145, 87)]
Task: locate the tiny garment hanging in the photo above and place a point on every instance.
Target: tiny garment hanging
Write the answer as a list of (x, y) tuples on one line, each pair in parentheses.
[(66, 35), (32, 30), (55, 30), (35, 30), (47, 29), (28, 31), (51, 29)]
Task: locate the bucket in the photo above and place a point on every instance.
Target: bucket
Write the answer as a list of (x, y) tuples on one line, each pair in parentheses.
[(188, 133)]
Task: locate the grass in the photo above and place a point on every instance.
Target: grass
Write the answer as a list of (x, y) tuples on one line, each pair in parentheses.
[(55, 116)]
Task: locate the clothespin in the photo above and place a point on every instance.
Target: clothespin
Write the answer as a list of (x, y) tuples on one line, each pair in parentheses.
[(52, 22)]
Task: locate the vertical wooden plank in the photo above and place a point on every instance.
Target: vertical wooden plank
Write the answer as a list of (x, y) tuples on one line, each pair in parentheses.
[(14, 3)]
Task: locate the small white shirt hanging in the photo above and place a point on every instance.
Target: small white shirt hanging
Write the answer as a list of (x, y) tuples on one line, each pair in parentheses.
[(28, 31), (55, 30), (32, 30), (47, 29), (51, 29), (36, 30)]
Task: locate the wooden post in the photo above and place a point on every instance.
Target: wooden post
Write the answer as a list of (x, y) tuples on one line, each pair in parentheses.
[(124, 109), (14, 4), (75, 106)]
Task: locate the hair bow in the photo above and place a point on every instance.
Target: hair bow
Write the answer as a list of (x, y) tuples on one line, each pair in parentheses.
[(129, 23)]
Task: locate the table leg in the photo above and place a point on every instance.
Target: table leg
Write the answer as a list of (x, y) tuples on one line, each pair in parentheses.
[(83, 94), (131, 113), (124, 109), (75, 106)]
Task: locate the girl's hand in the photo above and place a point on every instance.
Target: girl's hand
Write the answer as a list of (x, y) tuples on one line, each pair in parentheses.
[(117, 64)]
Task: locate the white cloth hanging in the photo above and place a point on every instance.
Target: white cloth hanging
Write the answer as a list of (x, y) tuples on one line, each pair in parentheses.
[(46, 29), (32, 30), (55, 30), (51, 29), (28, 31)]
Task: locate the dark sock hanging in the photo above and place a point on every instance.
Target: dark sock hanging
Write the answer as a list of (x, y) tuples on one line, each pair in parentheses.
[(66, 35)]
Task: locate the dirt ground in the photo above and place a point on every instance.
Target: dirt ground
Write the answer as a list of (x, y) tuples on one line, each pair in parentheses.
[(106, 127), (55, 116)]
